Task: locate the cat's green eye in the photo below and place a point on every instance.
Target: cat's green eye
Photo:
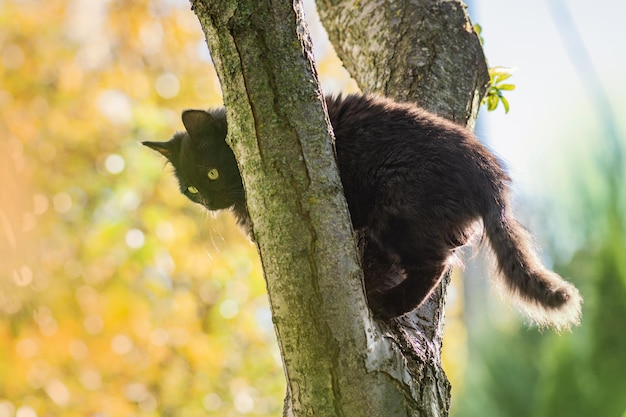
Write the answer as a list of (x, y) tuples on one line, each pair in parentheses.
[(192, 189), (213, 174)]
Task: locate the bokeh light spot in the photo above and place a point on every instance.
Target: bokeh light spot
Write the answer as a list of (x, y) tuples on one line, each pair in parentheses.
[(135, 239), (93, 324), (149, 403), (73, 268), (121, 344), (25, 411), (40, 204), (62, 202), (114, 163), (165, 231), (7, 409), (58, 392), (212, 402), (78, 349), (87, 298), (136, 392), (167, 85), (159, 337), (26, 348), (115, 106), (90, 379), (229, 309), (151, 37), (23, 276), (244, 402)]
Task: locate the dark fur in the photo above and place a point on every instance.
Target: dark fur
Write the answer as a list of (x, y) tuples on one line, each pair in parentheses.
[(415, 184)]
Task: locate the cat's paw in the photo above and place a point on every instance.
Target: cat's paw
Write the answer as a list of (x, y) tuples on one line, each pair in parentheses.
[(379, 306)]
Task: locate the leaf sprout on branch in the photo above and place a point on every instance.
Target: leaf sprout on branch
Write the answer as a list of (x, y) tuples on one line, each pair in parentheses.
[(496, 77), (496, 86)]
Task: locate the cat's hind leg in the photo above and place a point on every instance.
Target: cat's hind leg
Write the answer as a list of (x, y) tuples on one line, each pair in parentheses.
[(422, 256), (423, 272)]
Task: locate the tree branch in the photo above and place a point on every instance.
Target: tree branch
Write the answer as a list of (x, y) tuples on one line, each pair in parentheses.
[(424, 51)]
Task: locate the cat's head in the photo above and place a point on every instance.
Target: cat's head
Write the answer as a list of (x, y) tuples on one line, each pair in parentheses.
[(204, 164)]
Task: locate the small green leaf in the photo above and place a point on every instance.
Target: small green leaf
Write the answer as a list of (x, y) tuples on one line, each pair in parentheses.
[(505, 103), (496, 88), (501, 77), (506, 87), (479, 30)]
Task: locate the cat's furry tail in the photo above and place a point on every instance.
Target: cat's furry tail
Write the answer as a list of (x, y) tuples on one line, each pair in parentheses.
[(543, 295)]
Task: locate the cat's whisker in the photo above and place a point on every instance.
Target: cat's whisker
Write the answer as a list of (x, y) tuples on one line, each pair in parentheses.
[(209, 229)]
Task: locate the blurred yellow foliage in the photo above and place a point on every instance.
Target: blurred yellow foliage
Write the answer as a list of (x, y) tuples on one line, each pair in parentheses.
[(118, 296)]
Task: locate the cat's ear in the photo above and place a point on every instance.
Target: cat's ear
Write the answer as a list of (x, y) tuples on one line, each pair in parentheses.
[(167, 149), (201, 124)]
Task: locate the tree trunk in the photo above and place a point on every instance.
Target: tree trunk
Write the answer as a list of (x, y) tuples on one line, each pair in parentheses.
[(337, 360), (424, 51)]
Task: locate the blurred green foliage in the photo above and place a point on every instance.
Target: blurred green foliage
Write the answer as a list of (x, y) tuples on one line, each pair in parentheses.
[(514, 371)]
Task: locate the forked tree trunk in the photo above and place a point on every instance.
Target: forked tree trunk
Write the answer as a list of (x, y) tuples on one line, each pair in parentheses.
[(338, 361)]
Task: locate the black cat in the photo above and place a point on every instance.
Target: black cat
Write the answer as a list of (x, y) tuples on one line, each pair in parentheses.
[(415, 184)]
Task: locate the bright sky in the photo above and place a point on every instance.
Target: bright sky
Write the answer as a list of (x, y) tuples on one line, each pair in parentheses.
[(550, 106)]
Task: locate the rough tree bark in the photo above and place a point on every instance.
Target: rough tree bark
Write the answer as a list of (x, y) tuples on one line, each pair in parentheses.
[(337, 360), (424, 51)]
